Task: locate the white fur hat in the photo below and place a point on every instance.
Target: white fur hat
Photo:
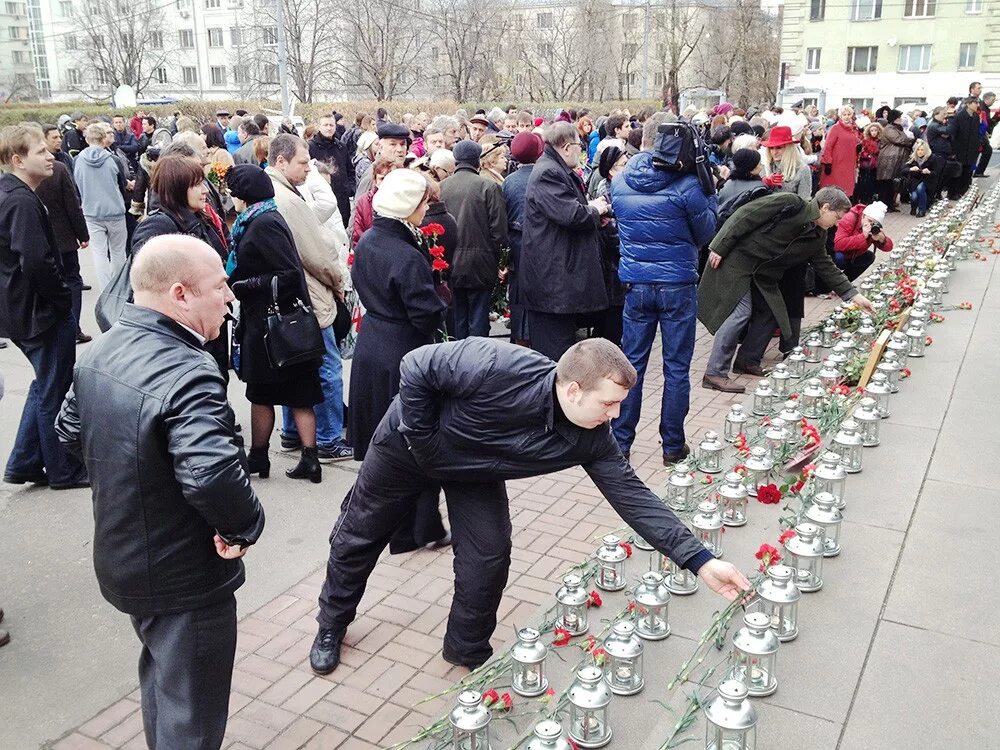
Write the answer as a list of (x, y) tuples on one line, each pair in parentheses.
[(876, 211)]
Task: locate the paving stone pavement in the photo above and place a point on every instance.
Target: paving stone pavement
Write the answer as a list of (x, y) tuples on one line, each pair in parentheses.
[(392, 655)]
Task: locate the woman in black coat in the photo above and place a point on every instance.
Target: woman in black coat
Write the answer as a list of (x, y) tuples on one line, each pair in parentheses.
[(394, 281), (264, 251)]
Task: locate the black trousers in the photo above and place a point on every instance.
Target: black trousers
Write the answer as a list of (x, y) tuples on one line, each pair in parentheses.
[(552, 333), (985, 154), (185, 675), (383, 498), (71, 272)]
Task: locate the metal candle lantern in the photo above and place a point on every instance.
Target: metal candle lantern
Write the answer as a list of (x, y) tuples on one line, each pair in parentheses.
[(824, 513), (780, 378), (548, 736), (778, 599), (707, 524), (611, 564), (734, 500), (889, 366), (867, 417), (642, 544), (735, 420), (755, 654), (677, 580), (652, 600), (470, 722), (763, 397), (942, 277), (731, 719), (759, 467), (813, 348), (828, 374), (623, 663), (900, 346), (866, 333), (828, 335), (776, 436), (917, 340), (680, 484), (846, 345), (790, 414), (878, 388), (589, 698), (935, 289), (796, 362), (830, 476), (710, 453), (572, 605), (812, 398), (847, 442), (805, 556), (528, 668)]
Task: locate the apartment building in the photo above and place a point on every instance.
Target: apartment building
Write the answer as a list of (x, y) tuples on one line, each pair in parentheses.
[(17, 74)]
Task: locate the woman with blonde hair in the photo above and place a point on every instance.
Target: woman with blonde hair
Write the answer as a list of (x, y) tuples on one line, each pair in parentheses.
[(493, 162), (920, 177), (783, 165)]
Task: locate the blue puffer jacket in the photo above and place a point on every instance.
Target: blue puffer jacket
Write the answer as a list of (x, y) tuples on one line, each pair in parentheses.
[(663, 220)]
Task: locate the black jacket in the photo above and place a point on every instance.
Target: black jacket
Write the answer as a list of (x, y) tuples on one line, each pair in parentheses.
[(33, 293), (438, 213), (186, 222), (481, 214), (62, 201), (560, 269), (939, 138), (487, 409), (148, 415), (73, 141), (964, 130), (336, 154), (67, 161)]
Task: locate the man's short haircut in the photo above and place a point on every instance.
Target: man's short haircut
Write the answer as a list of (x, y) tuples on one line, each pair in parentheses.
[(262, 122), (613, 123), (162, 262), (833, 197), (249, 127), (95, 133), (973, 85), (590, 361), (151, 120), (649, 129), (558, 134), (286, 145), (440, 124), (172, 177), (989, 95), (327, 116), (971, 100), (48, 128), (524, 117), (17, 139)]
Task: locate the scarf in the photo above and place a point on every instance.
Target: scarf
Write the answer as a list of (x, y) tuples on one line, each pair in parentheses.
[(240, 227)]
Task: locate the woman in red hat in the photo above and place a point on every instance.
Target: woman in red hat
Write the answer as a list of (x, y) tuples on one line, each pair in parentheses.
[(783, 166)]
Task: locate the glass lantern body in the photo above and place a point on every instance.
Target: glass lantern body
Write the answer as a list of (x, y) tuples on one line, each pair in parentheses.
[(680, 484), (710, 453), (470, 722), (889, 366), (652, 600), (866, 334), (824, 514), (611, 557), (917, 341), (589, 698), (731, 719), (735, 421), (676, 579), (734, 497), (796, 362), (548, 736), (828, 374), (813, 349), (754, 655), (528, 664), (899, 344), (878, 389), (790, 414), (707, 525), (840, 354), (571, 601), (779, 600), (828, 336), (847, 443), (812, 399), (780, 380), (869, 422), (623, 660), (763, 399), (776, 437), (805, 556), (759, 467)]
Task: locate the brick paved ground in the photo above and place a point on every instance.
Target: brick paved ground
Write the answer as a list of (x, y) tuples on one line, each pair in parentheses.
[(392, 657)]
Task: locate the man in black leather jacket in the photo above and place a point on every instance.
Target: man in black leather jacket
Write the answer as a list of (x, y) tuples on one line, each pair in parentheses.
[(471, 415), (173, 508)]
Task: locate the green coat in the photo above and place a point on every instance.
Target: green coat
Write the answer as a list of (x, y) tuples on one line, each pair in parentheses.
[(756, 251)]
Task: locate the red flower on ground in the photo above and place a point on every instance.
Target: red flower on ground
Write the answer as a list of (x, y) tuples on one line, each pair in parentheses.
[(768, 556), (793, 397), (905, 372), (440, 264), (740, 469), (490, 697), (599, 655), (631, 607), (549, 695), (436, 251), (807, 470), (797, 486), (506, 703), (840, 390), (627, 547), (594, 600), (742, 446), (786, 535), (964, 305), (928, 341), (768, 494), (707, 479), (573, 744), (562, 637), (590, 644)]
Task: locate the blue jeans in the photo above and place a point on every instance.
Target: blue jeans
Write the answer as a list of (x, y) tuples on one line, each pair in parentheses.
[(472, 312), (853, 266), (672, 307), (52, 356), (329, 414), (918, 197)]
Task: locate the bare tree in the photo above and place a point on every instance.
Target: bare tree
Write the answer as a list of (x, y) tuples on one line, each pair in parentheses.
[(312, 29), (18, 87), (469, 33), (124, 45), (558, 47), (676, 31)]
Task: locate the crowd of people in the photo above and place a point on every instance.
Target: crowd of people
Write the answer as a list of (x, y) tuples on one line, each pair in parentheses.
[(250, 245)]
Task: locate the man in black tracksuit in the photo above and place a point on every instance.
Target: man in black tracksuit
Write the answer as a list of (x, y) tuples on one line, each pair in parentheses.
[(325, 146), (470, 415)]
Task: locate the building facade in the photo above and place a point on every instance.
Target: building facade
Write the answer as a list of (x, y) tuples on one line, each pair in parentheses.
[(897, 52), (17, 73)]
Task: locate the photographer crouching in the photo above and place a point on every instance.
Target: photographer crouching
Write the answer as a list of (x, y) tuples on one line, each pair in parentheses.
[(857, 233)]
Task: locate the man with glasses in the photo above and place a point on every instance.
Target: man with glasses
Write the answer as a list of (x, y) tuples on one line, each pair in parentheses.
[(561, 272), (747, 259)]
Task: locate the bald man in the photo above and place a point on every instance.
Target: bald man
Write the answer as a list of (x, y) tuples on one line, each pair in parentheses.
[(173, 508)]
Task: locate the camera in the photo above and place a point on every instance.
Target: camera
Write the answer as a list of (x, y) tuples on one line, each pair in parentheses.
[(876, 228)]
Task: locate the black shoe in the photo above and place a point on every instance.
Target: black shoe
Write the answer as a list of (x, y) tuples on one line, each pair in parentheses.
[(82, 338), (669, 459), (336, 452), (74, 485), (324, 656), (444, 541), (913, 210), (3, 344), (980, 174), (26, 478), (462, 661), (86, 288), (748, 368), (290, 444), (308, 467), (259, 463)]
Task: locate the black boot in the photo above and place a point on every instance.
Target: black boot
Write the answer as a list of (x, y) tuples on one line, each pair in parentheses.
[(260, 464), (308, 467)]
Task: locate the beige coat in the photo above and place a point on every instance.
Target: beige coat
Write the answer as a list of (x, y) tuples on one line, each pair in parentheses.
[(319, 257)]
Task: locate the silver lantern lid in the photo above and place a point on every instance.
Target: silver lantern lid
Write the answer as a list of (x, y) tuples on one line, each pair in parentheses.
[(711, 442), (778, 588), (790, 413), (737, 413), (814, 388), (879, 384), (622, 642), (730, 709), (528, 650), (611, 550), (681, 476), (830, 467), (548, 736), (848, 433), (824, 510), (732, 487), (651, 592), (707, 517), (470, 715), (589, 691), (865, 411), (763, 388), (759, 460), (807, 542), (756, 636), (572, 593)]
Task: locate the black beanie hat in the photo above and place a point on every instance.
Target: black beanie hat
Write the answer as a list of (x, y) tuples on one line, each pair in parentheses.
[(740, 127), (467, 152), (249, 183), (745, 160), (609, 156)]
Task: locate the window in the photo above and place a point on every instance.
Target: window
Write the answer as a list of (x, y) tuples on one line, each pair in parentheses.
[(543, 20), (186, 38), (919, 8), (160, 75), (66, 8), (545, 49), (858, 104), (156, 40), (218, 75), (967, 54), (215, 37), (14, 32), (270, 73), (914, 58), (70, 42), (189, 75), (862, 59), (812, 59), (658, 79), (74, 77), (910, 101), (974, 6), (11, 8), (19, 57), (269, 34), (236, 35), (866, 10), (213, 4), (183, 4), (817, 10), (102, 77), (630, 50), (240, 74)]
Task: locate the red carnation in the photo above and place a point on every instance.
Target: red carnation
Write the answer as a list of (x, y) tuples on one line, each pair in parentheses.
[(768, 494), (768, 556), (928, 341), (549, 695), (594, 600), (432, 230), (599, 656), (590, 644), (439, 264), (627, 547), (490, 697), (905, 372), (436, 251), (740, 469), (506, 703), (786, 535), (562, 637)]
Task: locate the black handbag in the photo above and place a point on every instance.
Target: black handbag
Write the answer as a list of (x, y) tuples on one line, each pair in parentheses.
[(292, 338), (342, 323)]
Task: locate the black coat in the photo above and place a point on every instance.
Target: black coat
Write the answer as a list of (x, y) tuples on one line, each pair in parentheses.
[(438, 213), (62, 201), (934, 163), (266, 250), (336, 154), (964, 130), (148, 414), (481, 214), (33, 293), (73, 141), (393, 279), (939, 138), (561, 269)]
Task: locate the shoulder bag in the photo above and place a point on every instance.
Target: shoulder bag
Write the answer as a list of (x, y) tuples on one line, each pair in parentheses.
[(292, 338)]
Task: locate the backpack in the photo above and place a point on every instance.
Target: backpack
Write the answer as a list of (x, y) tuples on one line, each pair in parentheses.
[(679, 147)]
